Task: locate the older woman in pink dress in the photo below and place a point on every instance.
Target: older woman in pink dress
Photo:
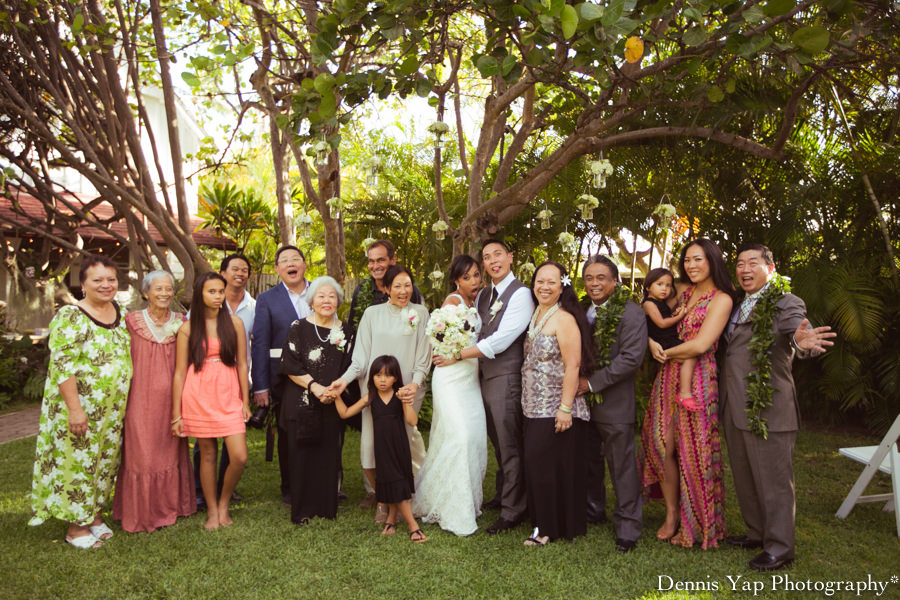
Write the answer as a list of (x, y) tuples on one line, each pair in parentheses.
[(155, 485)]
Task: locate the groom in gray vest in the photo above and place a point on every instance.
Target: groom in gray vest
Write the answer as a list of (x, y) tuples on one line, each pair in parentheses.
[(505, 308)]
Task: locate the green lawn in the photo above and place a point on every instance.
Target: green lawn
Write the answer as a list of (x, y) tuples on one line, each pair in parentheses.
[(264, 556)]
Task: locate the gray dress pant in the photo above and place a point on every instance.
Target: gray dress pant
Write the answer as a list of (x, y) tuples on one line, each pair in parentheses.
[(503, 408), (612, 445)]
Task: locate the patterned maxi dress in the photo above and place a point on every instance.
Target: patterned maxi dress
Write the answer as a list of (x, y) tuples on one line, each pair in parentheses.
[(701, 488), (74, 475)]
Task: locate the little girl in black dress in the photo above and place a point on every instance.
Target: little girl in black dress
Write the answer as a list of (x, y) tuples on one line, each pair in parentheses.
[(662, 322), (394, 484)]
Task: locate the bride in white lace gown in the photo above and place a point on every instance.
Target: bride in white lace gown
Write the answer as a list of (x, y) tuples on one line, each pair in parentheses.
[(448, 486)]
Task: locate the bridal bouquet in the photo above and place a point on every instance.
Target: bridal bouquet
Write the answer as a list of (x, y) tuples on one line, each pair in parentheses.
[(451, 329)]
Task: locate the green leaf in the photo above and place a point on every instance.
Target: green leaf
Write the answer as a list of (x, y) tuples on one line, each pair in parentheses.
[(410, 65), (78, 23), (693, 13), (622, 27), (754, 14), (487, 66), (424, 87), (774, 8), (507, 65), (191, 79), (612, 13), (535, 57), (323, 83), (328, 105), (219, 49), (694, 36), (730, 86), (568, 21), (812, 39), (715, 94), (283, 121), (589, 12)]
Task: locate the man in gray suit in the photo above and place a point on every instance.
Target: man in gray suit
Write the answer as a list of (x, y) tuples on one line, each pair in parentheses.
[(762, 467), (505, 308), (612, 435)]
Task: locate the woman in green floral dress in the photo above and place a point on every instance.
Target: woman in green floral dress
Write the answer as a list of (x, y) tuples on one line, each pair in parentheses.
[(80, 437)]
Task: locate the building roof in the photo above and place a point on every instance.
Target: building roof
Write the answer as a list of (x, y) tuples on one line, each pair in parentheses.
[(34, 210)]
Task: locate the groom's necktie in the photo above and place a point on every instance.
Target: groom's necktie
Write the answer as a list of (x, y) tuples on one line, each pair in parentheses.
[(493, 295)]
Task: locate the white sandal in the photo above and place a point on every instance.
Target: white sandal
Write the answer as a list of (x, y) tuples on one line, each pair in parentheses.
[(98, 531), (84, 542)]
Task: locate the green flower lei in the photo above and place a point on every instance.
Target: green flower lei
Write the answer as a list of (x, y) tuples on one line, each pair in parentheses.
[(759, 390), (363, 301), (605, 332)]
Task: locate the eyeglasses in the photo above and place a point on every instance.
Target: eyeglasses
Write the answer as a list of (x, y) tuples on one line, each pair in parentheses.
[(290, 261)]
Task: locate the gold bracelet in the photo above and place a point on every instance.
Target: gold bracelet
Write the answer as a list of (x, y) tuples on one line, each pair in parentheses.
[(175, 421)]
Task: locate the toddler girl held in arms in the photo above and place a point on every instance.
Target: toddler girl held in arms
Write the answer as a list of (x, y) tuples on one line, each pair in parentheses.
[(662, 327)]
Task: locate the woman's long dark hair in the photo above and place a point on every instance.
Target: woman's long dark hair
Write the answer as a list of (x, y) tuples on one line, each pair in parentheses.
[(224, 327), (568, 300), (718, 270), (655, 275), (388, 363)]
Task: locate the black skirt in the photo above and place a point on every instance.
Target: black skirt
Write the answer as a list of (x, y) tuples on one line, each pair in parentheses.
[(555, 475)]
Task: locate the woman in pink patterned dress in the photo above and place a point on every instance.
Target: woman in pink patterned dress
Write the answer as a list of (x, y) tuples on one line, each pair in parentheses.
[(682, 451)]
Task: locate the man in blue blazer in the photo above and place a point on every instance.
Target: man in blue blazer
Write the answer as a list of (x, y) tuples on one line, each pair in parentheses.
[(276, 309)]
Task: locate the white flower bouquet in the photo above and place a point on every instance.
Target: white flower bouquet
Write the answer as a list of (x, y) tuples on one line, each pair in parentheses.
[(451, 329)]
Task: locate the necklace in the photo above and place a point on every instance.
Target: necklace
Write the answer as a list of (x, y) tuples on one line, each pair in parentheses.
[(759, 389), (533, 329), (316, 327), (163, 321), (605, 324)]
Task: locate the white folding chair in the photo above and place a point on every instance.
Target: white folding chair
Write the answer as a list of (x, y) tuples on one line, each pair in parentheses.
[(884, 457)]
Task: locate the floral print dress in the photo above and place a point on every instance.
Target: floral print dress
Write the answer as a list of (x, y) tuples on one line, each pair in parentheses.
[(74, 475)]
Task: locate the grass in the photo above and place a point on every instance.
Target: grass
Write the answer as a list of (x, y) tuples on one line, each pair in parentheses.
[(264, 556)]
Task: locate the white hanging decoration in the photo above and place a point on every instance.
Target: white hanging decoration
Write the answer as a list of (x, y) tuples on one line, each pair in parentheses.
[(302, 222), (566, 240), (335, 206), (373, 166), (600, 169), (586, 204), (526, 270), (436, 276), (665, 211), (438, 129), (367, 242), (322, 149), (440, 229), (544, 216)]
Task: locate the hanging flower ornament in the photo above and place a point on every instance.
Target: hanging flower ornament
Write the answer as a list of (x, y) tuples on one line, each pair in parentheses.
[(438, 129), (586, 204), (665, 211), (600, 169), (439, 229), (302, 222), (544, 216), (373, 166), (335, 206), (367, 242), (322, 149), (566, 240), (527, 270), (436, 277)]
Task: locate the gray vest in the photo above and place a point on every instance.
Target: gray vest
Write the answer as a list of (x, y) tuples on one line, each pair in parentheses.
[(510, 360)]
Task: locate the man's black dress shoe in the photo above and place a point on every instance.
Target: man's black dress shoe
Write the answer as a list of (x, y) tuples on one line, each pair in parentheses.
[(492, 504), (501, 524), (625, 546), (597, 520), (766, 562), (742, 541)]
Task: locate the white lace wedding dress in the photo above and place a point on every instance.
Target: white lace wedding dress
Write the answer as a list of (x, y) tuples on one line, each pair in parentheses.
[(448, 486)]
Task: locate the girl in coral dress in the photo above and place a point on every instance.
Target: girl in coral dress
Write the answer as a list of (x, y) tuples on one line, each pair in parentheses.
[(210, 397)]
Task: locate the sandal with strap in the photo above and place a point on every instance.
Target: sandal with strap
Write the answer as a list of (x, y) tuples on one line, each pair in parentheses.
[(388, 529), (534, 540), (689, 403), (85, 542), (102, 531), (417, 537)]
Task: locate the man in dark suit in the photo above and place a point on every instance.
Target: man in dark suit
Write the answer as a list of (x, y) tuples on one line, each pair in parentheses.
[(762, 466), (276, 309), (612, 434)]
